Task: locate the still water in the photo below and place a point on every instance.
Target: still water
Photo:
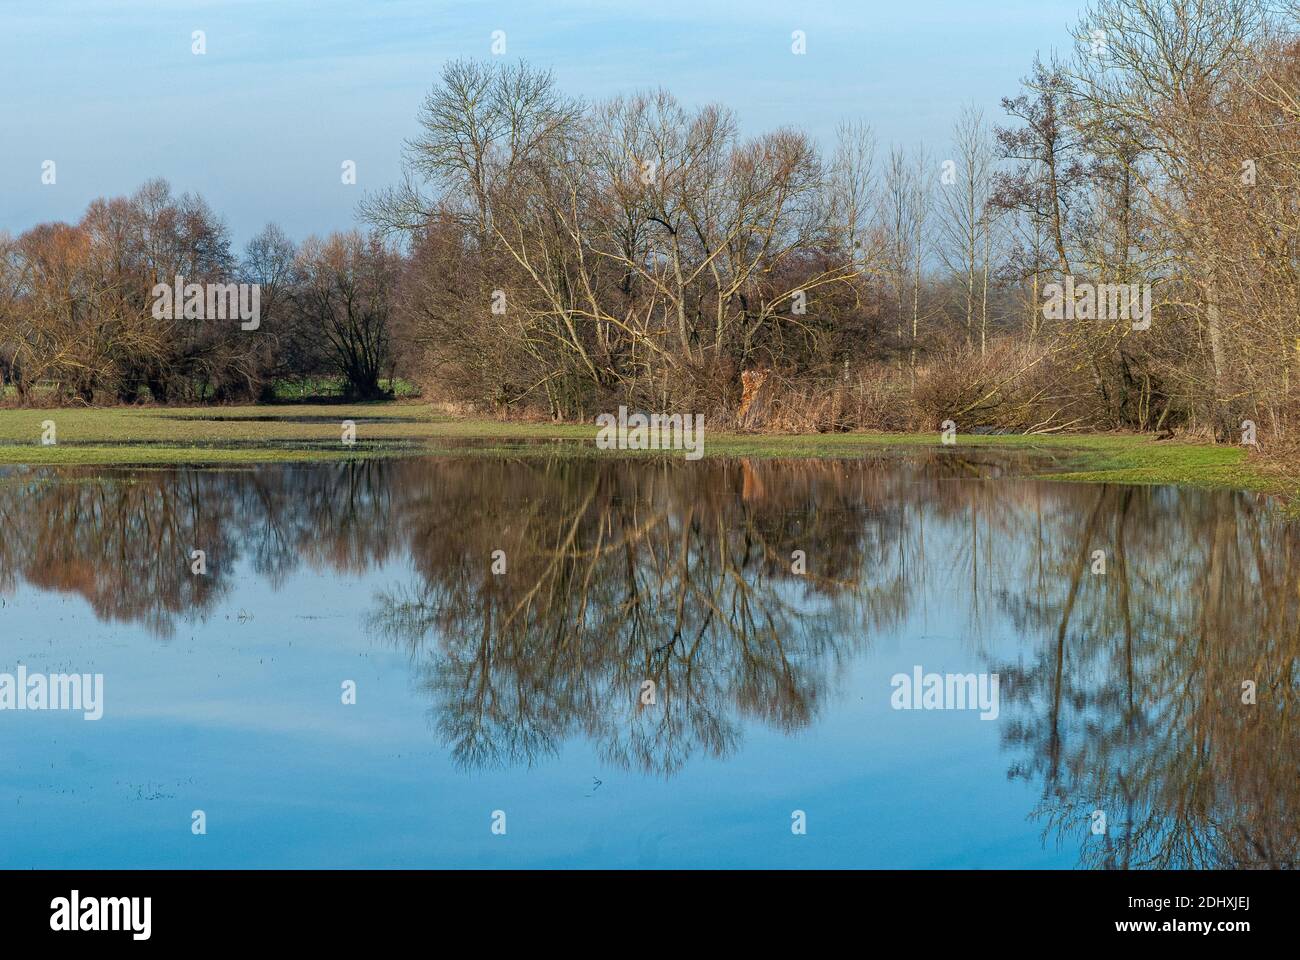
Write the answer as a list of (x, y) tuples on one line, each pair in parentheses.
[(771, 603)]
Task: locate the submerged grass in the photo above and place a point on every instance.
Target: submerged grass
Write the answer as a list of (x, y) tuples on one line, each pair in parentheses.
[(305, 433)]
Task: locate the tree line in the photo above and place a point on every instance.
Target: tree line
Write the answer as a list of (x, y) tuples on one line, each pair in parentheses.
[(547, 255), (79, 321)]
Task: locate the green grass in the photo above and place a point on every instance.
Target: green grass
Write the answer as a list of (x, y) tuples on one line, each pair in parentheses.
[(231, 435), (313, 387), (288, 390)]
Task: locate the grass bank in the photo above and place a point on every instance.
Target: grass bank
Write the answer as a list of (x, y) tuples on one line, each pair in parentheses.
[(258, 434)]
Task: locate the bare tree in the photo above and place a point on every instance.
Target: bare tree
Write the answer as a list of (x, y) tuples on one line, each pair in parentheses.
[(963, 211)]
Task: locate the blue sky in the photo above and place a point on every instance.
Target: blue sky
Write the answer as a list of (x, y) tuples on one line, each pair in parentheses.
[(289, 89)]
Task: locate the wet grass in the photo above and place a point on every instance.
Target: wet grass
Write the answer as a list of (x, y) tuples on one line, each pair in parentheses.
[(304, 433)]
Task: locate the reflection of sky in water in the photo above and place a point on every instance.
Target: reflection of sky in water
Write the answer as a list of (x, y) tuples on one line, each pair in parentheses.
[(243, 721)]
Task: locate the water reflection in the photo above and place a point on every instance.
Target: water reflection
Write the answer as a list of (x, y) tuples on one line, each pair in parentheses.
[(1122, 692)]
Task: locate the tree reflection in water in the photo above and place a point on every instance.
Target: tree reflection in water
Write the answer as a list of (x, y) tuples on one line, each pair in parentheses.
[(1124, 694)]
